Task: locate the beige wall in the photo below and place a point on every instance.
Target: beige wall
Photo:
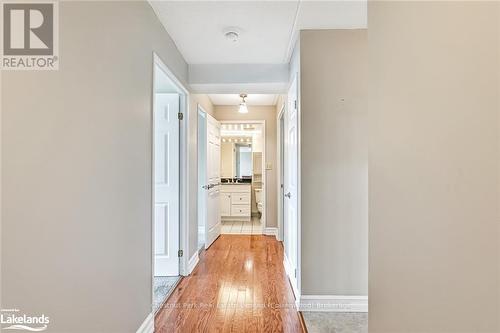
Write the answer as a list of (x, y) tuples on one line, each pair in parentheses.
[(334, 169), (227, 160), (434, 167), (267, 113), (206, 104), (76, 166)]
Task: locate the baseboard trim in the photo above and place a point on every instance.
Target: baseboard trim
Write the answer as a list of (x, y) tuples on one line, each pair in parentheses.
[(147, 325), (193, 262), (332, 303), (271, 231)]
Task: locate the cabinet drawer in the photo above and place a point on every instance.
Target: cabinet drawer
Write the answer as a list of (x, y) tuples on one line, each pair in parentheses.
[(240, 210), (240, 198)]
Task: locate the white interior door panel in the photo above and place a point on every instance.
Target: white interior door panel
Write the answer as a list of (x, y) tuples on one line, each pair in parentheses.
[(291, 184), (213, 225), (166, 191)]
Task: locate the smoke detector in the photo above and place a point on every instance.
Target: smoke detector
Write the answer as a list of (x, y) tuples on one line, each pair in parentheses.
[(232, 34)]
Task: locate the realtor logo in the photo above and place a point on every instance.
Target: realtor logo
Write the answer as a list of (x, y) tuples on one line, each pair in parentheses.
[(29, 36)]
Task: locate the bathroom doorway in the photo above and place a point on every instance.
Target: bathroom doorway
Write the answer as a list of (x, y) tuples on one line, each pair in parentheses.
[(243, 177)]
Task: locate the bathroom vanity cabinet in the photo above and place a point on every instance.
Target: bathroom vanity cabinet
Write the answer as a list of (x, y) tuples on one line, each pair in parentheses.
[(235, 202)]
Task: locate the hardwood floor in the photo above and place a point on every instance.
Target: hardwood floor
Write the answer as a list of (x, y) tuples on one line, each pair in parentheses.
[(238, 286)]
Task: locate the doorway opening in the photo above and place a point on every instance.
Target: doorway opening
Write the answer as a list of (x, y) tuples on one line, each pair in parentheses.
[(169, 104), (243, 190), (237, 179)]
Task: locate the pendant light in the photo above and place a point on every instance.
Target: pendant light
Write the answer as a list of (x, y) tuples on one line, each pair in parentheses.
[(243, 105)]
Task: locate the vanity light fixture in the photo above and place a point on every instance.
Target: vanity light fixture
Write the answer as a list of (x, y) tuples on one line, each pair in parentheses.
[(243, 105)]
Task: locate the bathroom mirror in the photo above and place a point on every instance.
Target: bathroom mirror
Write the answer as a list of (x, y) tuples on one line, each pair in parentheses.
[(236, 158), (243, 160)]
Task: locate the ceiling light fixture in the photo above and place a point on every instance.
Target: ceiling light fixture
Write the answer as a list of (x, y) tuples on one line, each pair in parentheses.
[(243, 105)]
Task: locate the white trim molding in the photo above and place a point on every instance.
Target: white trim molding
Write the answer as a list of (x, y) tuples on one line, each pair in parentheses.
[(193, 261), (271, 231), (332, 303), (147, 325)]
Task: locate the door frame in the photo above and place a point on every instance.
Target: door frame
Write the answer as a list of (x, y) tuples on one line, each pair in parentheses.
[(280, 131), (183, 168), (264, 171)]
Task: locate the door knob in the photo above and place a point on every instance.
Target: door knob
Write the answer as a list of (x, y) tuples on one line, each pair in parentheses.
[(288, 195)]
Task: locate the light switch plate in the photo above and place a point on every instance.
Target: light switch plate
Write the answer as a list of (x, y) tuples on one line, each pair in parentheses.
[(269, 166)]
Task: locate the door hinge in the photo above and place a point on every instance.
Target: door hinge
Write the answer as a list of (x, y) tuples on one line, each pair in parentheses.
[(180, 253), (180, 115), (295, 272), (295, 104)]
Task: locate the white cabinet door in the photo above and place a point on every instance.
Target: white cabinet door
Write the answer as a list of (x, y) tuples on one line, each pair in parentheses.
[(291, 184), (166, 191), (225, 204), (213, 225)]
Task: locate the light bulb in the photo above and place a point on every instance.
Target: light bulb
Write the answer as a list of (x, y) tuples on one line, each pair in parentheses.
[(243, 108)]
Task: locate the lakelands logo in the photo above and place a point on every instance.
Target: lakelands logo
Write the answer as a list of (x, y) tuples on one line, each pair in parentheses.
[(30, 39), (13, 319)]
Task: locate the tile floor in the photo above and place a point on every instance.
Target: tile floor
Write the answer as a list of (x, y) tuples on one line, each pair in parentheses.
[(253, 227)]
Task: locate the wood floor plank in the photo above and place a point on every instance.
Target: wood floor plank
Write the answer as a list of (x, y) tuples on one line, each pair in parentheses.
[(238, 286)]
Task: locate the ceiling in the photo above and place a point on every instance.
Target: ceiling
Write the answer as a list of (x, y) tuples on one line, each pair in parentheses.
[(268, 29), (251, 99)]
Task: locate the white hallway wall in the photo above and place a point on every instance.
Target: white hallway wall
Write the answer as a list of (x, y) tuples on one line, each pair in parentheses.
[(76, 144), (434, 166)]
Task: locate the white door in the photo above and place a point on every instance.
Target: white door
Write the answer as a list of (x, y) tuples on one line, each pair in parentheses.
[(290, 184), (166, 180), (202, 176), (213, 222)]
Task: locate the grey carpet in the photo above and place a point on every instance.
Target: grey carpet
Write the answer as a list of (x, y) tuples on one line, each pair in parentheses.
[(335, 322), (162, 287)]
